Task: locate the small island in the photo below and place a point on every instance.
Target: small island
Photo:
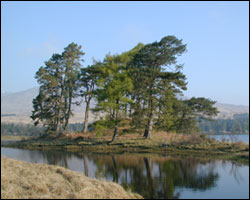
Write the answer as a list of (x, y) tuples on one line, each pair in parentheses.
[(138, 104), (122, 100)]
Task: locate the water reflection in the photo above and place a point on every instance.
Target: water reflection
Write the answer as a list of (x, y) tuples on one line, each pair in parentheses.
[(152, 176), (157, 177)]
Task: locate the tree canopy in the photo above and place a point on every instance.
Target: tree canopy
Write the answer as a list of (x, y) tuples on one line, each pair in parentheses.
[(142, 85)]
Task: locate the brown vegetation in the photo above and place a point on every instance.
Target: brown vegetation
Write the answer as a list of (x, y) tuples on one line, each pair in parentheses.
[(130, 141), (21, 180)]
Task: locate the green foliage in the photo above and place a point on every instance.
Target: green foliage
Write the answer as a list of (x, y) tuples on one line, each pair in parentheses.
[(31, 130), (142, 85), (155, 71), (21, 129), (238, 125), (190, 111), (114, 87), (86, 84), (52, 106)]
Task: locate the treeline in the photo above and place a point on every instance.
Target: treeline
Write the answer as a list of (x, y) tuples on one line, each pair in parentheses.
[(238, 125), (141, 85), (21, 129), (31, 130), (7, 115)]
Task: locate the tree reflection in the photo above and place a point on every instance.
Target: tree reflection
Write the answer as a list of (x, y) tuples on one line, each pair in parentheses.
[(56, 158), (85, 163), (152, 176), (157, 178), (235, 172)]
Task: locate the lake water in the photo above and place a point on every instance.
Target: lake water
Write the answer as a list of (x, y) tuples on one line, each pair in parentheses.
[(230, 138), (152, 175)]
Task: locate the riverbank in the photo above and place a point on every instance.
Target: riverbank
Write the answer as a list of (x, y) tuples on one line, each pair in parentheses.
[(161, 142), (21, 180), (14, 138)]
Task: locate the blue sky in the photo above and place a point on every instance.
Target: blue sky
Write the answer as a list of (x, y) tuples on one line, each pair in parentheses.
[(216, 33)]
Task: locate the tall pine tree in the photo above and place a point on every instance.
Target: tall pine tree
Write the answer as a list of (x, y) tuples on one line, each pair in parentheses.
[(52, 106), (153, 64)]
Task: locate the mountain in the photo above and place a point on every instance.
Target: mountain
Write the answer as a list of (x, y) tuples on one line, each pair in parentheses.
[(19, 103), (228, 110), (17, 107)]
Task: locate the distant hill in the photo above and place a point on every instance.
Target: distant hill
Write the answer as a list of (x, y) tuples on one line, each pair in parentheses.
[(17, 107), (228, 110)]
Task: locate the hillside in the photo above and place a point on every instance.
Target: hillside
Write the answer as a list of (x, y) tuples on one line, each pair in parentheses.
[(20, 104)]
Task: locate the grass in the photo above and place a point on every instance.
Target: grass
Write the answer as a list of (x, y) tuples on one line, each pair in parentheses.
[(13, 138), (21, 180), (134, 142)]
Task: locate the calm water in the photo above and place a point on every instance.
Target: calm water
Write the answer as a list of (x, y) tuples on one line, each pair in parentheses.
[(234, 138), (152, 175)]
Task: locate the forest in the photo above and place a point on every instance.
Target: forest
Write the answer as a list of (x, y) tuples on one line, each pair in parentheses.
[(142, 86), (31, 130), (239, 124)]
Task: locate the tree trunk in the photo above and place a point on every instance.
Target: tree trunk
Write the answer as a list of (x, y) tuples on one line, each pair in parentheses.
[(130, 111), (115, 132), (68, 111), (148, 129), (126, 110), (57, 127), (116, 120), (85, 124), (149, 126)]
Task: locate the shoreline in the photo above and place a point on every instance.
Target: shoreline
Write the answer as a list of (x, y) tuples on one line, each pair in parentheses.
[(174, 144)]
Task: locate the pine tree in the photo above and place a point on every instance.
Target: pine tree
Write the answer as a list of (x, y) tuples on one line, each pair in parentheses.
[(47, 104), (52, 106), (113, 89), (150, 67), (72, 62), (193, 110), (87, 83)]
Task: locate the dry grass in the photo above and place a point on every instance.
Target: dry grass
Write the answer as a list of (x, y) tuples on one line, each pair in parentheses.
[(157, 136), (13, 137), (21, 180), (134, 142)]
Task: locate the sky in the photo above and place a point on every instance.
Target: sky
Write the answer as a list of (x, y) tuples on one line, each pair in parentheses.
[(216, 63)]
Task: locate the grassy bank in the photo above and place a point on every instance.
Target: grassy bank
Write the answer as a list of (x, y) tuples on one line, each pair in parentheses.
[(14, 138), (23, 180), (134, 142)]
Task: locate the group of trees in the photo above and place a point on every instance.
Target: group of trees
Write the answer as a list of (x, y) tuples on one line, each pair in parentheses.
[(142, 85), (8, 115), (21, 129), (238, 125), (31, 130)]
